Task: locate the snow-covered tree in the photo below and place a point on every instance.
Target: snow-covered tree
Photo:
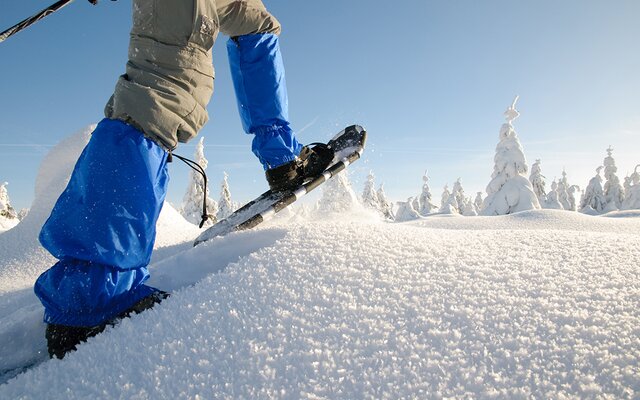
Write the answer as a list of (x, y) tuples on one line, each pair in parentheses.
[(458, 193), (406, 211), (593, 200), (8, 216), (613, 190), (23, 213), (225, 204), (386, 206), (6, 210), (426, 205), (478, 201), (509, 190), (338, 195), (563, 191), (469, 209), (369, 194), (632, 198), (192, 201), (573, 204), (538, 182), (553, 201), (448, 203)]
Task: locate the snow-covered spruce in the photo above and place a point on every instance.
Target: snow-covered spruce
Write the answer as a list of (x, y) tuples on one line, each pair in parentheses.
[(191, 208), (369, 195), (458, 193), (426, 205), (338, 195), (386, 206), (509, 190), (538, 183), (448, 203), (613, 190), (478, 201), (553, 199), (593, 200), (563, 192), (632, 194), (8, 216), (226, 206)]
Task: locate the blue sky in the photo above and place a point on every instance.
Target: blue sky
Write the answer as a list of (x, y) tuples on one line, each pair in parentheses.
[(428, 79)]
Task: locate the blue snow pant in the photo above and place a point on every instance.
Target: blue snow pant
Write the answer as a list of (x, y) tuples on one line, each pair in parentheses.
[(258, 77), (103, 227)]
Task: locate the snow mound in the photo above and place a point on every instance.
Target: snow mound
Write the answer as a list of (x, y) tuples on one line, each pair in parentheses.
[(538, 220), (355, 309), (623, 214), (23, 259)]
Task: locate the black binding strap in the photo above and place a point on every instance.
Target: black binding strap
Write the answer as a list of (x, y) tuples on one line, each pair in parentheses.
[(196, 167)]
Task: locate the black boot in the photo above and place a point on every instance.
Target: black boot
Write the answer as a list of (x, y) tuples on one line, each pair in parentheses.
[(62, 339), (142, 305), (311, 162)]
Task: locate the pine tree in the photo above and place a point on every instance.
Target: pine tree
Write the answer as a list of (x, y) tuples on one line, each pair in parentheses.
[(478, 201), (386, 206), (338, 195), (23, 213), (426, 206), (632, 199), (613, 190), (458, 193), (369, 196), (191, 208), (8, 215), (593, 200), (6, 210), (509, 190), (448, 204), (225, 205), (573, 204), (537, 182), (469, 209), (563, 191), (553, 200)]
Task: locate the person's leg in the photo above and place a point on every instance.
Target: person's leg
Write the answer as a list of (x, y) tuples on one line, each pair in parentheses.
[(169, 76), (259, 79), (102, 230)]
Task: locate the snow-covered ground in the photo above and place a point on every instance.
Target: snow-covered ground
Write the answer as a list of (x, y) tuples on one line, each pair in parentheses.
[(540, 304)]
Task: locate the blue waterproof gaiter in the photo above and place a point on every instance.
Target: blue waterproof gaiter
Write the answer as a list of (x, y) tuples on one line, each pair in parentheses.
[(103, 227), (259, 81)]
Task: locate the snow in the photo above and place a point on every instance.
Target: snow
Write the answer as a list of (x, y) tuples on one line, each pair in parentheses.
[(536, 304)]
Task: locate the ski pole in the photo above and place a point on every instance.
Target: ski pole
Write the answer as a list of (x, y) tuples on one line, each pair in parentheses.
[(33, 19)]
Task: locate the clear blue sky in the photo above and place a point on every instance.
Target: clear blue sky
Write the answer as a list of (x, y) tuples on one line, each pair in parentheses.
[(428, 79)]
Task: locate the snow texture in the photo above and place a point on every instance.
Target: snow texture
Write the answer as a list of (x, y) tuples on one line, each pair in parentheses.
[(537, 304)]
